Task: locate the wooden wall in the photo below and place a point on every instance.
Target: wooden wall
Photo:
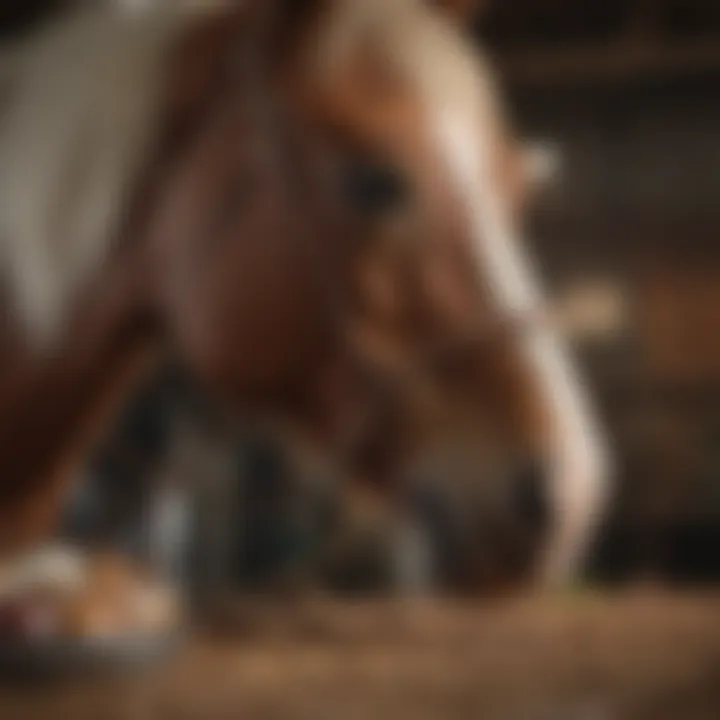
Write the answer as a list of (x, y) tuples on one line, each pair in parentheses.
[(638, 204)]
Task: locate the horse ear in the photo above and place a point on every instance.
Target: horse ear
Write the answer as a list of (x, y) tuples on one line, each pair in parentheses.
[(280, 24), (293, 11), (465, 11), (287, 17)]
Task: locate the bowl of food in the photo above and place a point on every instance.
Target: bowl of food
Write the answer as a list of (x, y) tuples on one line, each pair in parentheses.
[(63, 611)]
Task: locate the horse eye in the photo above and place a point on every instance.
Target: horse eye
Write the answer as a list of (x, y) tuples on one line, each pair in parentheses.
[(375, 188)]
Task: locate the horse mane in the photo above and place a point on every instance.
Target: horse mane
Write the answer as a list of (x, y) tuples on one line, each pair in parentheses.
[(81, 100)]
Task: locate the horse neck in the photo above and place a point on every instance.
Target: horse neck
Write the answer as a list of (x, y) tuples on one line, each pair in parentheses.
[(52, 404)]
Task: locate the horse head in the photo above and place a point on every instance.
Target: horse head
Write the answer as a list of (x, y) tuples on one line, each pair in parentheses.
[(449, 315)]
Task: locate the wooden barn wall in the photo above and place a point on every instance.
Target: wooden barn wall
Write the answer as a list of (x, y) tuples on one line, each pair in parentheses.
[(637, 203)]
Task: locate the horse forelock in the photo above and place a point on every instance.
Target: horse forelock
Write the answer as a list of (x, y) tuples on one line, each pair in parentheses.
[(83, 103)]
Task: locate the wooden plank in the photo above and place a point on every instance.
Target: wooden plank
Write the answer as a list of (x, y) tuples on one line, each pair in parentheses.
[(609, 62), (678, 318)]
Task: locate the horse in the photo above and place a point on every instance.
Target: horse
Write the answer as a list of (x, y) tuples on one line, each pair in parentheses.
[(200, 188)]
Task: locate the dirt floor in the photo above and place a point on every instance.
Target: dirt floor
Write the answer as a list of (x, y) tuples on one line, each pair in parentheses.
[(645, 656)]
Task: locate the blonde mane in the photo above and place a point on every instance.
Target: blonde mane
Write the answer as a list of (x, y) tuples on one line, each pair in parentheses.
[(80, 104)]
